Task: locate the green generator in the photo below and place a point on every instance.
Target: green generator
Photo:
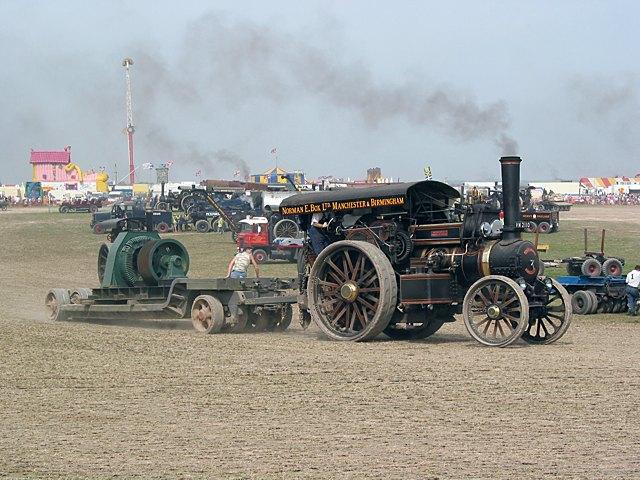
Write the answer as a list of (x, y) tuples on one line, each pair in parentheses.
[(141, 258)]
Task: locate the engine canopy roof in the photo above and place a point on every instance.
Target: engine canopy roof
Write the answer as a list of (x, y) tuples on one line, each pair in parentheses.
[(394, 195)]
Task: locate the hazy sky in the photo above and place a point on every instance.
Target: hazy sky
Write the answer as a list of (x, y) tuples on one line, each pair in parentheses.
[(336, 86)]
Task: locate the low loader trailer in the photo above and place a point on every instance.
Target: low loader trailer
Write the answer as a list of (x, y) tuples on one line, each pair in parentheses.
[(145, 277), (605, 294)]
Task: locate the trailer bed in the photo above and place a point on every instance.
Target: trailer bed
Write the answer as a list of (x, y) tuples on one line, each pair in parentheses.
[(173, 300)]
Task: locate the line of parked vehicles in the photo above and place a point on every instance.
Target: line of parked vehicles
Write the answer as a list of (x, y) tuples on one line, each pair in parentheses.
[(251, 222)]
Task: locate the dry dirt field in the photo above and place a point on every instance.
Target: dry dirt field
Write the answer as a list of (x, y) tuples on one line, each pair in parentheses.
[(103, 401)]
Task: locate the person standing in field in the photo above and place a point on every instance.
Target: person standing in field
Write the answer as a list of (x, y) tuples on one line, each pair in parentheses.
[(239, 264), (220, 225), (633, 281)]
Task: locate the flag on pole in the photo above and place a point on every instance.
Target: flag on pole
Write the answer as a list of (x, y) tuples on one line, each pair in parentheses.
[(198, 173), (274, 150), (236, 173), (427, 173), (169, 163), (147, 166)]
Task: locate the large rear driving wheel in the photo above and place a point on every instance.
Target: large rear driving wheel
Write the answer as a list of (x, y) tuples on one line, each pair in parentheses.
[(352, 291)]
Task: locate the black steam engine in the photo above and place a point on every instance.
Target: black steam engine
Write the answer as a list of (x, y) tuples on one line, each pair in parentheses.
[(404, 258)]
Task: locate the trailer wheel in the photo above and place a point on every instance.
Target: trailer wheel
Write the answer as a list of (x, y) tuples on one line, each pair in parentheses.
[(207, 314), (623, 304), (281, 319), (260, 256), (286, 228), (162, 227), (93, 208), (98, 229), (495, 311), (352, 291), (79, 294), (285, 316), (54, 300), (616, 305), (202, 226), (416, 324), (581, 302), (532, 227), (544, 227), (64, 209), (612, 266), (608, 306), (594, 301), (552, 321), (591, 268)]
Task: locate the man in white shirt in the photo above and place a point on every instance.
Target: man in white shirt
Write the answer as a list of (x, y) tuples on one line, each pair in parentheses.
[(633, 281)]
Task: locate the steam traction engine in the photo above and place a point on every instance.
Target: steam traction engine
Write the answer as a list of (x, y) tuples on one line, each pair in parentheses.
[(404, 258)]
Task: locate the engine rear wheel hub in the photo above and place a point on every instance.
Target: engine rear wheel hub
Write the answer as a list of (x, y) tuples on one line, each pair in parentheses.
[(349, 291)]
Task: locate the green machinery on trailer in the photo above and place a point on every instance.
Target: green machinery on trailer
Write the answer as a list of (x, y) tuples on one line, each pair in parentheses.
[(143, 276)]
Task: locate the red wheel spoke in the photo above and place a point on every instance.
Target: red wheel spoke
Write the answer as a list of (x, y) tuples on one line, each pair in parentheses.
[(339, 272), (356, 268), (484, 299), (349, 264), (494, 294), (487, 319), (345, 268), (509, 302), (352, 321), (499, 324), (486, 327), (324, 283), (370, 290), (367, 304), (360, 316), (340, 313), (508, 323)]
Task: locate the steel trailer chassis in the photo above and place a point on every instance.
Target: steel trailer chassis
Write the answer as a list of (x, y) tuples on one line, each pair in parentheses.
[(214, 305), (595, 294)]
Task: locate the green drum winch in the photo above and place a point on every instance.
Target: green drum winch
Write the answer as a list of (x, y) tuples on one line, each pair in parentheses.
[(140, 258)]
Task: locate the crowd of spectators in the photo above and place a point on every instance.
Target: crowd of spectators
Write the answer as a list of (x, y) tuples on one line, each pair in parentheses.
[(602, 199)]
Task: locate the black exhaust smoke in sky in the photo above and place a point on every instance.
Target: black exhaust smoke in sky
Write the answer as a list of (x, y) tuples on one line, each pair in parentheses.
[(159, 141), (611, 103), (242, 61)]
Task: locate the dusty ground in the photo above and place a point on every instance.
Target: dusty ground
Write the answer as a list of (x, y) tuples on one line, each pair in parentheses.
[(99, 401)]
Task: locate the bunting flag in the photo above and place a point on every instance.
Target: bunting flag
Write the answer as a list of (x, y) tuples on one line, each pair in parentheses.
[(236, 173), (427, 173), (198, 173), (168, 164), (274, 150)]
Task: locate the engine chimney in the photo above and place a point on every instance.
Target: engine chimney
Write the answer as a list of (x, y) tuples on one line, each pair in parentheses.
[(510, 196)]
